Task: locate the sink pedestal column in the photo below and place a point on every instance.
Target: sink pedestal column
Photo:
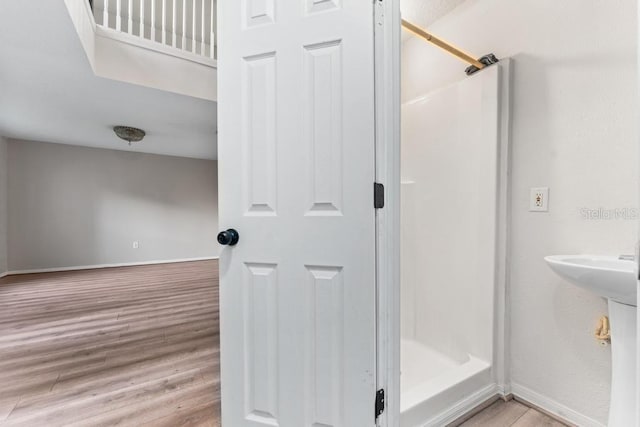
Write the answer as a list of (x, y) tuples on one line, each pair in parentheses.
[(624, 404)]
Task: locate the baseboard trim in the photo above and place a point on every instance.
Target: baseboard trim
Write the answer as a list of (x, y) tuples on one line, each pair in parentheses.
[(97, 266), (467, 407), (6, 273), (504, 390), (551, 407)]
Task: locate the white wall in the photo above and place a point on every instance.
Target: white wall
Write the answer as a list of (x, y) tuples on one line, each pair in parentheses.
[(76, 206), (3, 205), (574, 130)]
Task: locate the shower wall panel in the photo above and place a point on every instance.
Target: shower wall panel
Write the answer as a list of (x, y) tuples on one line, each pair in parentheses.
[(450, 141)]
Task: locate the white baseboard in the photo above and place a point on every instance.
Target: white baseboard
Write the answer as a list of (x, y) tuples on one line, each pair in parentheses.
[(93, 267), (504, 390), (6, 273), (464, 406), (553, 407)]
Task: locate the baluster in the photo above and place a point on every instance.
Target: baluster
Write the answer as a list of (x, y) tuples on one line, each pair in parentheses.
[(193, 27), (105, 13), (130, 20), (202, 25), (164, 22), (183, 45), (212, 37), (173, 23), (118, 15), (153, 20), (142, 18)]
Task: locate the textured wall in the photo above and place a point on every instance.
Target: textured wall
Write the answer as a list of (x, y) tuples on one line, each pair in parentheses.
[(76, 206), (575, 131), (427, 11)]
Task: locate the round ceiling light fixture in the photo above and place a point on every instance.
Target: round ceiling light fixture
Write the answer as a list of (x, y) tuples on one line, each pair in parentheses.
[(129, 134)]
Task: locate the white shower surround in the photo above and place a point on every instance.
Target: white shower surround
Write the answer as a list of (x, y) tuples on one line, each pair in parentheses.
[(454, 175)]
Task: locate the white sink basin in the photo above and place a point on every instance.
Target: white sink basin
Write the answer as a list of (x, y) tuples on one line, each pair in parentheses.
[(614, 279), (606, 276)]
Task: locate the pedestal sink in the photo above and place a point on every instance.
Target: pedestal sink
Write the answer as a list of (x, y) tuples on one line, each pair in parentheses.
[(614, 279)]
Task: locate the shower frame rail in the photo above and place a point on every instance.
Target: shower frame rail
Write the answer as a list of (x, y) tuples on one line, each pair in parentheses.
[(414, 29)]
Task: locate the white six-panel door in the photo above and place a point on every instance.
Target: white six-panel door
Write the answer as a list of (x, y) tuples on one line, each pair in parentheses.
[(296, 173)]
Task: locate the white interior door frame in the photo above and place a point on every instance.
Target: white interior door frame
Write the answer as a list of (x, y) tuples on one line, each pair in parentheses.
[(387, 102)]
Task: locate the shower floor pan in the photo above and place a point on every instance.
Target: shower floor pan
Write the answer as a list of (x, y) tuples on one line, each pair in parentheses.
[(435, 387)]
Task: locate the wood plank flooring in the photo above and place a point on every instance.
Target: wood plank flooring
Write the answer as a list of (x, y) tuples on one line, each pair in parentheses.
[(131, 346), (511, 414)]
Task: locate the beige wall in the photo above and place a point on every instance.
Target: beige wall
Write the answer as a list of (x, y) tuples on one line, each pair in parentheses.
[(575, 131), (3, 205), (76, 206)]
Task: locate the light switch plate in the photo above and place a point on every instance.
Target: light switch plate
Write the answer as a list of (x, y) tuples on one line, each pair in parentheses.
[(539, 199)]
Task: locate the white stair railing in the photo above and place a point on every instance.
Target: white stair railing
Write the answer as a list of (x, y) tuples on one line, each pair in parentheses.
[(188, 25)]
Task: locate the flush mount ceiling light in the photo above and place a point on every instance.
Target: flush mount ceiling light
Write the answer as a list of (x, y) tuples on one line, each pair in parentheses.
[(129, 134)]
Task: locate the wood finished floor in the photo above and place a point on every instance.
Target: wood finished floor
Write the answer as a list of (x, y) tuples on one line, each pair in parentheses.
[(131, 346), (511, 414)]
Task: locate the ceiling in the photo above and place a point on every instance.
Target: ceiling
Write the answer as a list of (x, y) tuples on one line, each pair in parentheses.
[(48, 92), (426, 12)]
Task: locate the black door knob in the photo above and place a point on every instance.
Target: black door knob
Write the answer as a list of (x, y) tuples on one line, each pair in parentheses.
[(229, 237)]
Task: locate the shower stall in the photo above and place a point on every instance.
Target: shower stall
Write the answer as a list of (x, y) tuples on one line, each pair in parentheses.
[(454, 165)]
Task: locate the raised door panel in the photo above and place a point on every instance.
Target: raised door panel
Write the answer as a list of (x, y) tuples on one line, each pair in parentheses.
[(316, 6), (258, 12), (322, 125), (325, 369), (259, 134), (261, 340)]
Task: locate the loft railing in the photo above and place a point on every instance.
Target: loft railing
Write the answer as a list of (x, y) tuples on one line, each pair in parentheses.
[(188, 25)]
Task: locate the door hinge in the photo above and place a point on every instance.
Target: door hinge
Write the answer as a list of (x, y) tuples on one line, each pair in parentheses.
[(379, 402), (378, 195)]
